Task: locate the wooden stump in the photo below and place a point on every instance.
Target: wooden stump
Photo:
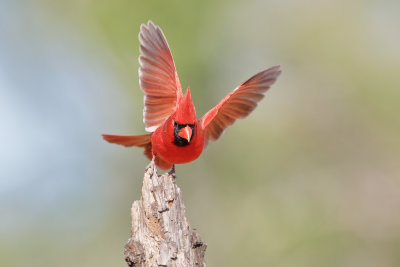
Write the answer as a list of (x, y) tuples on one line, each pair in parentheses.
[(161, 234)]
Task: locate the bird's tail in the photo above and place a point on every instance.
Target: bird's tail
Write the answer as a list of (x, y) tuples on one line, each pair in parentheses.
[(139, 141)]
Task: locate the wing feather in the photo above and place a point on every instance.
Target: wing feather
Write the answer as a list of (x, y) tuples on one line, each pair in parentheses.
[(238, 104), (129, 140), (158, 77)]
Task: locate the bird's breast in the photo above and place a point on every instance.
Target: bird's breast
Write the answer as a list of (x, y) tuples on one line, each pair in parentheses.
[(164, 146)]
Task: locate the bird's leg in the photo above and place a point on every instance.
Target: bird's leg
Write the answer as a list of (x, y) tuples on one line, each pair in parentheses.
[(172, 171)]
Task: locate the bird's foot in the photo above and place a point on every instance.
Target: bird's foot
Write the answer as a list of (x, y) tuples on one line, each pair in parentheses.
[(172, 171)]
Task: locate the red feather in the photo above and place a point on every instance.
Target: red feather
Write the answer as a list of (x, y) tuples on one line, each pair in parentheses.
[(129, 140), (238, 104), (157, 77), (166, 111), (139, 141)]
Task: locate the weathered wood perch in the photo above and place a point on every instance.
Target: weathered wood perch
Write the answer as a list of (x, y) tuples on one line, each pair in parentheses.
[(161, 234)]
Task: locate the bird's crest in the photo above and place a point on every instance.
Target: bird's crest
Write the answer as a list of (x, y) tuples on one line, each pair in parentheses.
[(185, 111)]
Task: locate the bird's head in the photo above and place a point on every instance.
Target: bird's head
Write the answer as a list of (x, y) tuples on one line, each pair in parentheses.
[(184, 120)]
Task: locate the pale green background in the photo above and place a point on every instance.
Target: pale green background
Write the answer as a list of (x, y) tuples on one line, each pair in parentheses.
[(311, 178)]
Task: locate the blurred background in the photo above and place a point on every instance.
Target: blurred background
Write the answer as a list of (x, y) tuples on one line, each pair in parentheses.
[(310, 178)]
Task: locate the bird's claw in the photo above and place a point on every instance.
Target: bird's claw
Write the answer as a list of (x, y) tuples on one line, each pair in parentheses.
[(172, 171)]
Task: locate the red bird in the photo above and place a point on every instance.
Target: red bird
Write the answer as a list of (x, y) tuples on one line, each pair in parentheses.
[(176, 136)]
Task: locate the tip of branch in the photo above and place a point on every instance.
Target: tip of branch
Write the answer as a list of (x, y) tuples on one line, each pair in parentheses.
[(151, 168)]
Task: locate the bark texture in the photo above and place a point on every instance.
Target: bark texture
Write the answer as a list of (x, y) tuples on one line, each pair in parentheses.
[(161, 234)]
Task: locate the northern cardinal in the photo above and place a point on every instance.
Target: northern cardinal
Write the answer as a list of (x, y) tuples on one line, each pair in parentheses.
[(176, 136)]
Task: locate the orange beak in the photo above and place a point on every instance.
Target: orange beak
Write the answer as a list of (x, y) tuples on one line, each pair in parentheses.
[(186, 133)]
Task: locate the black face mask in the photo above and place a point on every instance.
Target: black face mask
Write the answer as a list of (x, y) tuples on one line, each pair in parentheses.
[(179, 141)]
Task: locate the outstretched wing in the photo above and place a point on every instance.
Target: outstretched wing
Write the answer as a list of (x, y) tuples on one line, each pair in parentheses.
[(158, 77), (139, 141), (129, 140), (238, 104)]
